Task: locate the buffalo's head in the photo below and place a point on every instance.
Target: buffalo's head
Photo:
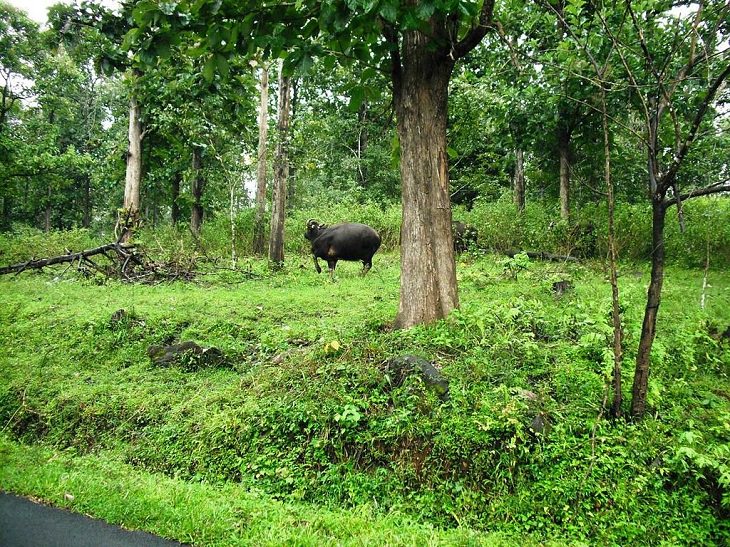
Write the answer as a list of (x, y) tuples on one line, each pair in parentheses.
[(313, 229)]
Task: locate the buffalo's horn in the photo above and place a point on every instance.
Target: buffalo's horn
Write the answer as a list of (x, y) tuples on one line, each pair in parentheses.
[(312, 220)]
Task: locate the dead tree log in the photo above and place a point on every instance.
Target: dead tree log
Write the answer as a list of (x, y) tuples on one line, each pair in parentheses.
[(124, 252)]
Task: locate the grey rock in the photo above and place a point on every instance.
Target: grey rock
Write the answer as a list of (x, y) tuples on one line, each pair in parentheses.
[(398, 368), (186, 355)]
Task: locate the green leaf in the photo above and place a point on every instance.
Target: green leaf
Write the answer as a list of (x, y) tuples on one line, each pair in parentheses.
[(131, 38), (209, 69), (222, 63), (425, 10), (389, 10), (368, 73), (357, 94), (329, 62), (306, 63), (142, 11), (163, 49)]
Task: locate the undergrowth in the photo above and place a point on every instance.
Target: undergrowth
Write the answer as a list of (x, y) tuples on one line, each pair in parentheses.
[(306, 412)]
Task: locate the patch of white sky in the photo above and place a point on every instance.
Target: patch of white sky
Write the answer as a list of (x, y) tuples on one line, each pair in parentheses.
[(37, 10)]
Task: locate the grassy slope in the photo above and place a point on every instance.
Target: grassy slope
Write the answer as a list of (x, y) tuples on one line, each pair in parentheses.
[(298, 441)]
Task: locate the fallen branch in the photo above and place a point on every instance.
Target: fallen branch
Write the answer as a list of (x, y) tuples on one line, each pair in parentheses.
[(123, 250)]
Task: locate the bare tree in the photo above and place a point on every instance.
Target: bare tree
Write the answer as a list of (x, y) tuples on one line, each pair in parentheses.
[(702, 68)]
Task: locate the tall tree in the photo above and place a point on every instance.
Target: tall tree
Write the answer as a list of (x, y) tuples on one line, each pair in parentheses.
[(281, 171), (133, 179), (19, 52), (418, 44), (261, 165), (197, 184), (676, 89)]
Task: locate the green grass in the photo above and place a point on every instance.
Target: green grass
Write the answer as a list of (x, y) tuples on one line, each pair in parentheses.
[(205, 514), (300, 440)]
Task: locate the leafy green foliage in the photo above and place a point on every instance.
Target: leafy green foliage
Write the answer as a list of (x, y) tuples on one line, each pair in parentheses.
[(537, 229), (302, 419)]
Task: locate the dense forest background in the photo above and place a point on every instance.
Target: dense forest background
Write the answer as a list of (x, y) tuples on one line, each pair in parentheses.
[(524, 108)]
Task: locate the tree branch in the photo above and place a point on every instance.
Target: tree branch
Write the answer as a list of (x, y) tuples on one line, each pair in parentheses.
[(668, 177), (475, 35), (707, 191)]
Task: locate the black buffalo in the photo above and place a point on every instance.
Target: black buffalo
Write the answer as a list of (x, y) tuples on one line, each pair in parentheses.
[(465, 236), (348, 241)]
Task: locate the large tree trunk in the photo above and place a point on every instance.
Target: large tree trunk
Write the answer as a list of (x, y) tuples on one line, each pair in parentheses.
[(428, 288), (259, 226), (519, 179), (653, 299), (197, 184), (563, 152), (129, 217), (281, 172)]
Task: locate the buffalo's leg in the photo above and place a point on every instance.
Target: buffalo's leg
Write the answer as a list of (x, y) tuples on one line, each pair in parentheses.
[(366, 265), (332, 264), (316, 265)]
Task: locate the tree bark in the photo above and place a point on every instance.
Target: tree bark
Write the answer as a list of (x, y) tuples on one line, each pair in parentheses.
[(129, 217), (428, 290), (564, 153), (47, 214), (362, 144), (281, 172), (653, 299), (259, 226), (519, 180), (175, 209), (197, 184), (86, 221), (7, 218)]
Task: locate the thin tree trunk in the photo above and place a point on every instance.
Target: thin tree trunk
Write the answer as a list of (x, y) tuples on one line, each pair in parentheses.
[(653, 299), (129, 217), (291, 178), (7, 212), (707, 269), (362, 144), (86, 221), (563, 151), (259, 226), (197, 184), (281, 172), (519, 180), (47, 214), (428, 290), (232, 218), (175, 210), (613, 266)]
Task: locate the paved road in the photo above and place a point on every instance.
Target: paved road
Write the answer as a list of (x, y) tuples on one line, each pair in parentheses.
[(27, 524)]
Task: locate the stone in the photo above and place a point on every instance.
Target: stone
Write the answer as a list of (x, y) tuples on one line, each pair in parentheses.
[(186, 355), (398, 368)]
